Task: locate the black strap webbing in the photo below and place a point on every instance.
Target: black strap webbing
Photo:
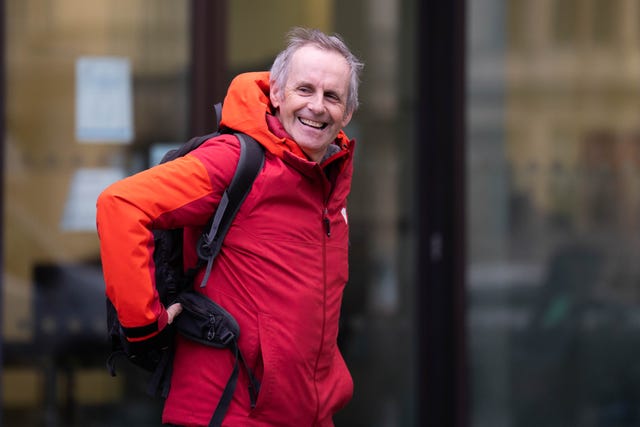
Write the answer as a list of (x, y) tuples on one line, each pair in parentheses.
[(227, 394), (229, 389), (249, 164)]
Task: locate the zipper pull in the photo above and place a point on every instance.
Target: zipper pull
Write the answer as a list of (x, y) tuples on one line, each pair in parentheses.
[(327, 223)]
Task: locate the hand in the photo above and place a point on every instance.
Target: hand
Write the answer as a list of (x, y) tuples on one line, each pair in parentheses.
[(172, 312)]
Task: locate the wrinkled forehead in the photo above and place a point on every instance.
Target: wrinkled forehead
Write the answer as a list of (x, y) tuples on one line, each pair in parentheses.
[(317, 66)]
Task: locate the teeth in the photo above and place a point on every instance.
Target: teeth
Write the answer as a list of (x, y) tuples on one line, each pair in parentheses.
[(312, 123)]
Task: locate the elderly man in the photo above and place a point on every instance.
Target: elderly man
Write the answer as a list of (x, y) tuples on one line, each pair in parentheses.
[(284, 262)]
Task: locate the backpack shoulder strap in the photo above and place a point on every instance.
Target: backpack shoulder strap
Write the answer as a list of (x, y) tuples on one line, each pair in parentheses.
[(196, 141), (250, 162)]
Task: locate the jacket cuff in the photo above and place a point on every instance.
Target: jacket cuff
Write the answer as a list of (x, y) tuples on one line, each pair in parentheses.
[(141, 333)]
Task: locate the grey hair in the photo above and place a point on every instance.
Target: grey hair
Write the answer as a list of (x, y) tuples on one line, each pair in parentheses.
[(299, 37)]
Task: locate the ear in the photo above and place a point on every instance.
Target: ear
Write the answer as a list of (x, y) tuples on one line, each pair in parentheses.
[(274, 95), (346, 119)]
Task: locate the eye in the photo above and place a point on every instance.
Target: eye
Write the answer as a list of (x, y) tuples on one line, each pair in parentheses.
[(304, 90), (332, 96)]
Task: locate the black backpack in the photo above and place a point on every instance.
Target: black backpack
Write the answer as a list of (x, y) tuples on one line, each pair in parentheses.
[(201, 319)]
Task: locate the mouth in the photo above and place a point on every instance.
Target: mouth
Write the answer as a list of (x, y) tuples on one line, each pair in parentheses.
[(312, 123)]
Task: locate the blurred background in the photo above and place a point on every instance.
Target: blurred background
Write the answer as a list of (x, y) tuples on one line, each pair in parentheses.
[(495, 210)]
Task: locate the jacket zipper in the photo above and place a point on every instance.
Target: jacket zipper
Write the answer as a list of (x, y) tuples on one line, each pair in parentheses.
[(327, 229), (327, 222)]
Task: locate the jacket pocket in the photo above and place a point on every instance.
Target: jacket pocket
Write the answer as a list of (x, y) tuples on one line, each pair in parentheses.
[(343, 384), (268, 363)]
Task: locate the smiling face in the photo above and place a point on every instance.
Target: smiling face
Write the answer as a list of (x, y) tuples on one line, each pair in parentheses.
[(312, 104)]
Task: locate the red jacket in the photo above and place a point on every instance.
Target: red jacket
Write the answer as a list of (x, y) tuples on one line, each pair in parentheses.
[(281, 271)]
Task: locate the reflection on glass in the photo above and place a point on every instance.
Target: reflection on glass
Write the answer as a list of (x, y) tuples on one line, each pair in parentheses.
[(554, 213), (132, 94), (51, 176)]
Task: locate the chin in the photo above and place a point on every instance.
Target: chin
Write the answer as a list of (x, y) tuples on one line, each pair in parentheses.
[(312, 148)]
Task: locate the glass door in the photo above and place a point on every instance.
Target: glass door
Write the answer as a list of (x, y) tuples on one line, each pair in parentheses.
[(553, 212), (91, 89), (94, 91)]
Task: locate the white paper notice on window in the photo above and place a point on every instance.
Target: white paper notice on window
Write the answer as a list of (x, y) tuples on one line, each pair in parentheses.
[(86, 185), (104, 111)]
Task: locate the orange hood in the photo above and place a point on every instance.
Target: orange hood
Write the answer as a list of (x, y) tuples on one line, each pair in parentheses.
[(246, 107)]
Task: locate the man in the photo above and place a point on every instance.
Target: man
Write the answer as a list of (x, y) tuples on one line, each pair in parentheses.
[(283, 264)]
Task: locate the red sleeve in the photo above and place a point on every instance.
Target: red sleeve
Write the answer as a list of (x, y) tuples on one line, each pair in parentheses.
[(180, 193)]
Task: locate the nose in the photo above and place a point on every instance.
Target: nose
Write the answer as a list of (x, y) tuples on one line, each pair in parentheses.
[(316, 104)]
